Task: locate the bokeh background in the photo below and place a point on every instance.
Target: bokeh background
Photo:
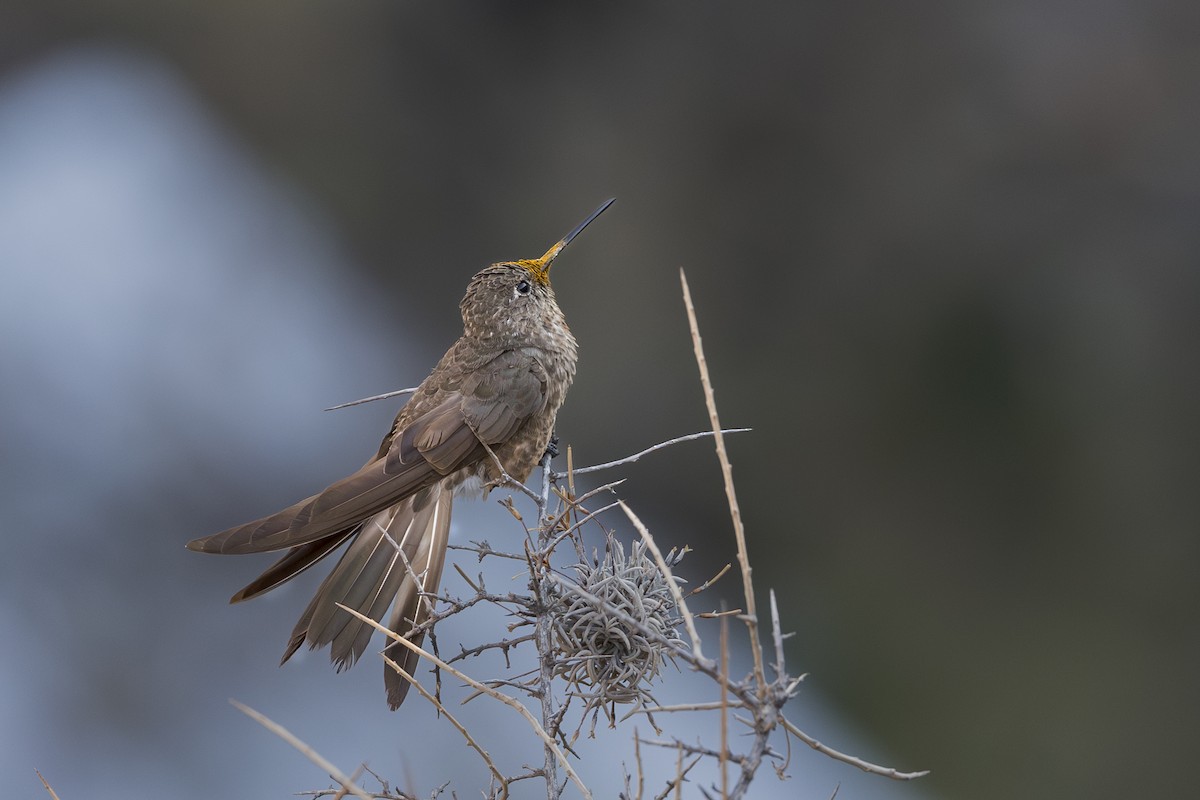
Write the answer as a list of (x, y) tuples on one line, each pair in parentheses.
[(946, 257)]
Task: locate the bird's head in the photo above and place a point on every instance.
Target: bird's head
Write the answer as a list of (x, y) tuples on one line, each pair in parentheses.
[(513, 301)]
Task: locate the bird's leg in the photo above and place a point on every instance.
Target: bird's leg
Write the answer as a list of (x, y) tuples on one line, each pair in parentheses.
[(552, 446)]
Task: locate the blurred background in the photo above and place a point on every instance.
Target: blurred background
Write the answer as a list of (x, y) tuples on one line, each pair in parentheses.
[(947, 265)]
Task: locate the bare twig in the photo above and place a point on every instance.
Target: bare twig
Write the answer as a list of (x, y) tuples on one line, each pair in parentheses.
[(713, 706), (45, 783), (487, 759), (588, 516), (339, 793), (865, 766), (732, 612), (641, 774), (312, 755), (699, 749), (724, 754), (543, 631), (385, 790), (777, 634), (504, 645), (477, 587), (490, 692), (630, 459), (483, 550), (676, 784), (508, 480), (730, 494), (710, 581), (383, 396), (583, 498)]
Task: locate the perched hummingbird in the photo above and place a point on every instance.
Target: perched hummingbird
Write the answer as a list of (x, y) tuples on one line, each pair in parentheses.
[(497, 389)]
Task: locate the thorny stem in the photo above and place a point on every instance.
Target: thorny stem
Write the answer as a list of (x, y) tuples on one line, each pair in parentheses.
[(751, 617), (543, 633), (512, 703), (631, 459), (499, 778), (764, 701), (538, 561), (347, 783)]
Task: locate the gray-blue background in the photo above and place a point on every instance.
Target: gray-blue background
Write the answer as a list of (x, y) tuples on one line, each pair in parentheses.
[(945, 257)]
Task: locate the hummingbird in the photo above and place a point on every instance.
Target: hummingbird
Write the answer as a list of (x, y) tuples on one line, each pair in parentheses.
[(491, 401)]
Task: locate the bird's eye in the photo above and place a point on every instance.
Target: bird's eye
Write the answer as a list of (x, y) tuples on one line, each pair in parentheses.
[(523, 287)]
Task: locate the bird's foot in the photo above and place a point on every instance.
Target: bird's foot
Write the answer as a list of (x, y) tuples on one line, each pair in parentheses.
[(552, 447)]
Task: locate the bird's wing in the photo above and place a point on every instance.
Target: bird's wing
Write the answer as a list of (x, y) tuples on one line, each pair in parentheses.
[(494, 400), (500, 397), (351, 500), (491, 404)]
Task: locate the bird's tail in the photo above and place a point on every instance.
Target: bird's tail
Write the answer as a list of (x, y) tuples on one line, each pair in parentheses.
[(372, 575)]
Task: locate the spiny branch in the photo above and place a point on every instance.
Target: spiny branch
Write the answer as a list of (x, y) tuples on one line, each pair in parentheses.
[(372, 399), (481, 687), (483, 754), (312, 755), (739, 532), (630, 459), (865, 766)]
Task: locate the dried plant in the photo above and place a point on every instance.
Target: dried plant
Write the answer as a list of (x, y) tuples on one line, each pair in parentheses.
[(602, 658), (603, 627)]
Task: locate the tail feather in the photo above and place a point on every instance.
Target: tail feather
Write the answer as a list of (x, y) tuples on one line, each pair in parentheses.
[(378, 584), (359, 572), (411, 609), (297, 560), (371, 576)]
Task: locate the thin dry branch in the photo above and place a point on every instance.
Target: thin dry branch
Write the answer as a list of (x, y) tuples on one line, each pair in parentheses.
[(723, 756), (504, 645), (854, 761), (512, 703), (777, 635), (372, 399), (630, 459), (699, 749), (585, 518), (710, 581), (641, 774), (542, 630), (312, 755), (676, 783), (487, 759), (385, 790), (482, 550), (46, 783), (508, 480), (710, 706), (730, 494), (588, 495)]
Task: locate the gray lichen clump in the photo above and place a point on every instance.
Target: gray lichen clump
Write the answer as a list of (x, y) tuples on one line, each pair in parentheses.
[(603, 657)]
